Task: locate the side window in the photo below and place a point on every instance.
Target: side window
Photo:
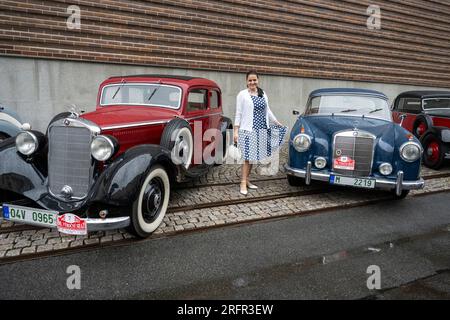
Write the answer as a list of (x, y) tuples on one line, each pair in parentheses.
[(410, 105), (215, 100), (197, 100)]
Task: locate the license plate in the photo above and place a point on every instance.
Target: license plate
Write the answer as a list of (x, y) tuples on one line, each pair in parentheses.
[(354, 182), (33, 216)]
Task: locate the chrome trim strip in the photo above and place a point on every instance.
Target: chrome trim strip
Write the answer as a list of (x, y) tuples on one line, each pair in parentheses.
[(137, 124), (379, 183), (149, 123)]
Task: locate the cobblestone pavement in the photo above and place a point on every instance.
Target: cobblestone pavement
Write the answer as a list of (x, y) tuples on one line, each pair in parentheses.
[(183, 214)]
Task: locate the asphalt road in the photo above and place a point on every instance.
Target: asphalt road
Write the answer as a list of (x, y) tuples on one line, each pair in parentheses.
[(322, 256)]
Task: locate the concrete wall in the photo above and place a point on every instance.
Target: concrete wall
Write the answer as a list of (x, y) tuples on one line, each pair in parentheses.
[(38, 89)]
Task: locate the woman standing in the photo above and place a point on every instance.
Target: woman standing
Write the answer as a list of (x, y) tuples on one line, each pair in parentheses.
[(257, 139)]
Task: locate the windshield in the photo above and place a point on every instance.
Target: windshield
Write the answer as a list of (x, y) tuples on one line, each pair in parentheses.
[(154, 94), (350, 105), (442, 103)]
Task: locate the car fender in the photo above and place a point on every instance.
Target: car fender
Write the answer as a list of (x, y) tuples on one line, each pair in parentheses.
[(19, 175), (120, 182), (9, 128)]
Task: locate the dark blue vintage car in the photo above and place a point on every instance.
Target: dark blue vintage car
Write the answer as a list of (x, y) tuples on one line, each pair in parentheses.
[(347, 137)]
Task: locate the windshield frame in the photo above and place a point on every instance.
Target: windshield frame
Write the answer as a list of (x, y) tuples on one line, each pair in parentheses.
[(436, 98), (142, 104), (308, 108)]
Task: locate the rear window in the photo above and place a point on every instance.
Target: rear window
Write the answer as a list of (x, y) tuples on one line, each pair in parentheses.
[(409, 105)]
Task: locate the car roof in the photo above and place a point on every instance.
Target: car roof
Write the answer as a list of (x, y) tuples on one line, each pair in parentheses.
[(173, 78), (355, 91), (422, 94)]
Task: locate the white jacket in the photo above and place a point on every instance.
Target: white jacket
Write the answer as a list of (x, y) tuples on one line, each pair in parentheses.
[(244, 111)]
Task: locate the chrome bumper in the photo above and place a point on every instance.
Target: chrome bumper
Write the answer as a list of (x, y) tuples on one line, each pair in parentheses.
[(92, 224), (398, 185), (107, 223)]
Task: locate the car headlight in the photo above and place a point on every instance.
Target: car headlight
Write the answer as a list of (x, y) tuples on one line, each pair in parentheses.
[(27, 143), (102, 148), (302, 142), (320, 162), (385, 169), (410, 151)]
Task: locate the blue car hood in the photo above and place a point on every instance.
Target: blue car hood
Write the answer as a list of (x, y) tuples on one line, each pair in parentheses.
[(326, 126)]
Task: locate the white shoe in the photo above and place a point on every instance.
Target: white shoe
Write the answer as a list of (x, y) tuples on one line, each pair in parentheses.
[(243, 191), (251, 186)]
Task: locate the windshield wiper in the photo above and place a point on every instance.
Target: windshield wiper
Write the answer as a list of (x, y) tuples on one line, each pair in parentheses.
[(376, 110), (118, 89), (348, 110), (154, 91)]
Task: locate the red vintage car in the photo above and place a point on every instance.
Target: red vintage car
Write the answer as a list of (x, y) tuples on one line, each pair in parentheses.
[(113, 167), (427, 115)]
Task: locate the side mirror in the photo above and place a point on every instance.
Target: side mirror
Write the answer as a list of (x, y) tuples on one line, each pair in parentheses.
[(295, 112)]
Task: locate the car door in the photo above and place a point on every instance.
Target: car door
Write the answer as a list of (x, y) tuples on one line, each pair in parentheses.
[(197, 114)]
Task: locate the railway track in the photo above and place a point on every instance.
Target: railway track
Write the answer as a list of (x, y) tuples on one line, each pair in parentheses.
[(323, 188), (381, 197)]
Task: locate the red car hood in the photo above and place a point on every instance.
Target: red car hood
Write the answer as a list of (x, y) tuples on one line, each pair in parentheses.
[(121, 115)]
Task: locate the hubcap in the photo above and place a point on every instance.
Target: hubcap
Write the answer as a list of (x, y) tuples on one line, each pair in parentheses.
[(433, 151), (152, 200)]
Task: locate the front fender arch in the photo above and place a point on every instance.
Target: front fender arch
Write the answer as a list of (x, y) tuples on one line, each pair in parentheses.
[(9, 129), (119, 184)]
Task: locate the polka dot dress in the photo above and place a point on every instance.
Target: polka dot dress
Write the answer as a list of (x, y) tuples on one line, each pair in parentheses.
[(260, 143)]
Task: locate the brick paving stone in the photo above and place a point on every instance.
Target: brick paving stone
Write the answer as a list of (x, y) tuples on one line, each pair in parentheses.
[(7, 241), (39, 242), (60, 246), (44, 231), (28, 233), (6, 247), (37, 236), (117, 236), (179, 228), (106, 239), (76, 243), (13, 253), (52, 234), (22, 244), (67, 238), (29, 250), (47, 247), (91, 241), (54, 241)]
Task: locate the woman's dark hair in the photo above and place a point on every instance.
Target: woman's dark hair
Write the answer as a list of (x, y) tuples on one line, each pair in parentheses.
[(260, 91)]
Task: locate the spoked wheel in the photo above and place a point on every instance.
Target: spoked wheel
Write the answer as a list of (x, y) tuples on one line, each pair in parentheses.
[(151, 204), (433, 156)]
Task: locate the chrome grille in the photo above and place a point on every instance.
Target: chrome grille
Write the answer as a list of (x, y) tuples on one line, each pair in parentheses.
[(357, 145), (69, 160)]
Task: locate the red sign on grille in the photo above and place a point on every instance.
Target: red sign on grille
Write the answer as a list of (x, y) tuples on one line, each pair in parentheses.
[(344, 163)]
